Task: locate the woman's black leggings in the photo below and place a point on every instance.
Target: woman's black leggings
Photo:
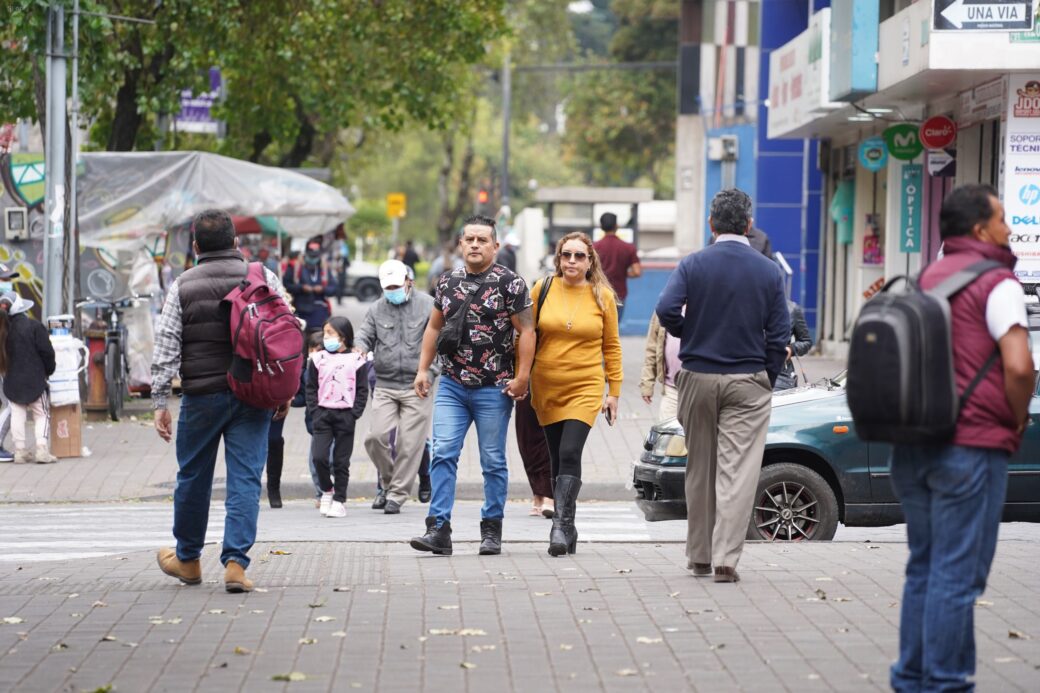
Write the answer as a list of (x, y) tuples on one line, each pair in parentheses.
[(566, 440)]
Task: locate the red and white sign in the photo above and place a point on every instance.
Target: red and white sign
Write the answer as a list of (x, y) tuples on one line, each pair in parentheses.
[(938, 132)]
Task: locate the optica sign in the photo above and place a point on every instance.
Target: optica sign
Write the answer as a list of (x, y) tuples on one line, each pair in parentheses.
[(938, 132)]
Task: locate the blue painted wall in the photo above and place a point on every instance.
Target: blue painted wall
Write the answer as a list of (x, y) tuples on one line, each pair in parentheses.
[(781, 176), (746, 170)]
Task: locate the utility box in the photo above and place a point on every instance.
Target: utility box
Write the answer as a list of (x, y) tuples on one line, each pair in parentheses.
[(66, 431)]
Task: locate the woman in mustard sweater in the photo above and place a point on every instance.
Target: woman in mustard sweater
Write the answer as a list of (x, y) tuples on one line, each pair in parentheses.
[(578, 357)]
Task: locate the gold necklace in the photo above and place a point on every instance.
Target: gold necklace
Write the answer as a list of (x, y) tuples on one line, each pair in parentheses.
[(570, 320)]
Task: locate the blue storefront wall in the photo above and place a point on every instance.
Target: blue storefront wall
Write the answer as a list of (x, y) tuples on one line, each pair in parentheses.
[(789, 184)]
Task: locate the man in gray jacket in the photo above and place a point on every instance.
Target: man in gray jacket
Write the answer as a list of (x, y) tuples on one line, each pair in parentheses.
[(393, 332)]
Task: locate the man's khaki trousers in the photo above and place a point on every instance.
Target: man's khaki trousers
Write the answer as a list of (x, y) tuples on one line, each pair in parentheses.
[(725, 418), (403, 410)]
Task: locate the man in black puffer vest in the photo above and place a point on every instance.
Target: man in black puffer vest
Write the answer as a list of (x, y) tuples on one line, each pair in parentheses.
[(194, 338)]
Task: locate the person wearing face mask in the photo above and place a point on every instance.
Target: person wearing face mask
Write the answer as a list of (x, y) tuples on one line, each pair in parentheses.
[(310, 283), (393, 331), (7, 277), (337, 391)]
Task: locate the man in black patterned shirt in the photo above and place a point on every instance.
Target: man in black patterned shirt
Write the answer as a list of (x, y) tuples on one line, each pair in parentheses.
[(481, 383)]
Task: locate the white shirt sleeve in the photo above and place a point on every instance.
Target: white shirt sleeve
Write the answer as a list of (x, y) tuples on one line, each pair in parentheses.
[(1005, 308)]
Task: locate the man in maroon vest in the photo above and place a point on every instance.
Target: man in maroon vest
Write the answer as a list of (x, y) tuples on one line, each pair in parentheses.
[(953, 495)]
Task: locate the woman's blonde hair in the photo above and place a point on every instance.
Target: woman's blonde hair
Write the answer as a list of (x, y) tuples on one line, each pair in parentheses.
[(595, 275)]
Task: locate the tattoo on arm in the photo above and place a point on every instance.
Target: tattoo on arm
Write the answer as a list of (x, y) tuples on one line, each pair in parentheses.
[(525, 318)]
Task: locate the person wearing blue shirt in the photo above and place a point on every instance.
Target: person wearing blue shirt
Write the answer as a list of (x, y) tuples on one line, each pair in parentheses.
[(733, 344)]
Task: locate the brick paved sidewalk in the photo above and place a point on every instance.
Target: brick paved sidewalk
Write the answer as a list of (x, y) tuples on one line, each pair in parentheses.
[(129, 461), (371, 617)]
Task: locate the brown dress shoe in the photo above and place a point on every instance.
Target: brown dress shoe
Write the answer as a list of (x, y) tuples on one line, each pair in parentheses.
[(188, 572), (700, 569), (235, 579), (724, 574)]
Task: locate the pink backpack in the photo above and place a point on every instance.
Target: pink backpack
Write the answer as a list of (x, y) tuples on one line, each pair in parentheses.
[(267, 343)]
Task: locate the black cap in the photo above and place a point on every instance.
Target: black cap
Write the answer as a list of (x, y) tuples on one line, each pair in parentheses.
[(6, 273)]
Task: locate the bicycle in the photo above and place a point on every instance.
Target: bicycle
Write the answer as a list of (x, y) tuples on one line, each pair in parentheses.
[(116, 364)]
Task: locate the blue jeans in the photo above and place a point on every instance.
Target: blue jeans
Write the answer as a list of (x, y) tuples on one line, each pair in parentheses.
[(454, 408), (953, 498), (203, 421)]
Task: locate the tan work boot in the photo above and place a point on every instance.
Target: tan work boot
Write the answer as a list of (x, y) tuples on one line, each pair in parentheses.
[(188, 572), (44, 456), (235, 579), (22, 456)]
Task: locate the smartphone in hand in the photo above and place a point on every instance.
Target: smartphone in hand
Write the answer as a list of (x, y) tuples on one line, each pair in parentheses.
[(610, 417)]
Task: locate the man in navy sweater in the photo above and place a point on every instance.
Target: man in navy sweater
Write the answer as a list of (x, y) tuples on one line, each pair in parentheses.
[(733, 343)]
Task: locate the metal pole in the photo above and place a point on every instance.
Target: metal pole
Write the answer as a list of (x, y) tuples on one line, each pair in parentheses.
[(507, 106), (689, 134), (394, 234), (53, 285), (73, 288)]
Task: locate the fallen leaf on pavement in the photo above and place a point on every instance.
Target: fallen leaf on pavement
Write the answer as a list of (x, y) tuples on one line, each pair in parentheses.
[(341, 589), (280, 552), (308, 641), (256, 611), (324, 619), (291, 676), (670, 630), (216, 612), (376, 591), (1017, 635), (824, 579), (108, 638), (242, 651), (59, 647), (13, 620), (643, 640), (481, 648), (261, 590), (674, 594), (720, 646), (456, 631), (982, 602), (73, 595), (821, 594), (448, 607), (468, 665), (99, 605), (1005, 660), (842, 599), (565, 647), (338, 634), (317, 605), (542, 594), (627, 672), (624, 571), (451, 582)]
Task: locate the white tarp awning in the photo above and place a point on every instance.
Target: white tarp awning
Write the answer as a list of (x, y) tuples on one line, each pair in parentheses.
[(126, 197)]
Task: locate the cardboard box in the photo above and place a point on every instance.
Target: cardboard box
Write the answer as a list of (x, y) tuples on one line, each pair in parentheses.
[(66, 431)]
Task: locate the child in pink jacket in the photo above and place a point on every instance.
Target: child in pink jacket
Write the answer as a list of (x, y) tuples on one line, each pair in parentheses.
[(337, 390)]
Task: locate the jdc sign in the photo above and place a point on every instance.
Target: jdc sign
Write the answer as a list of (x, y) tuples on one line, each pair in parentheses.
[(982, 15)]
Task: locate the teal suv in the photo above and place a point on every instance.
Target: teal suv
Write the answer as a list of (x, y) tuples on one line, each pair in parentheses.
[(816, 472)]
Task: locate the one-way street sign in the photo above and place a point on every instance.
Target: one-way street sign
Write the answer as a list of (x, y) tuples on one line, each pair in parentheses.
[(982, 15)]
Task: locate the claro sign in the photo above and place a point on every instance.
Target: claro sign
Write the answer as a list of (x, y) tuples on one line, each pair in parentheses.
[(938, 132)]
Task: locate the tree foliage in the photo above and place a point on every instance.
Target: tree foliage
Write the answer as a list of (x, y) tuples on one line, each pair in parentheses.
[(297, 71), (621, 124)]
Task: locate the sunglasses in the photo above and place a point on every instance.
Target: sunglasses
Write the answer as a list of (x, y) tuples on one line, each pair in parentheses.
[(579, 256)]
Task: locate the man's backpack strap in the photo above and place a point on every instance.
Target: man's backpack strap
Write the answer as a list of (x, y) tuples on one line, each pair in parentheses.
[(962, 278), (947, 289)]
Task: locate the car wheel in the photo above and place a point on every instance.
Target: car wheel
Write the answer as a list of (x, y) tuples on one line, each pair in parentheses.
[(367, 290), (793, 503)]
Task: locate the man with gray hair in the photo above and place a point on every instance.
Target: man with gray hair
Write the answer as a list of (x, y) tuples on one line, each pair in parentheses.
[(733, 341)]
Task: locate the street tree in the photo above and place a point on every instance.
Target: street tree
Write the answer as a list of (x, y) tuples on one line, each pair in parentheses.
[(621, 123)]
